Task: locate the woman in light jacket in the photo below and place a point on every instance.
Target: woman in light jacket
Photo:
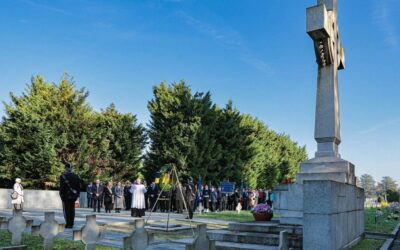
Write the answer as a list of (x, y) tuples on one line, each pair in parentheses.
[(18, 203), (119, 197)]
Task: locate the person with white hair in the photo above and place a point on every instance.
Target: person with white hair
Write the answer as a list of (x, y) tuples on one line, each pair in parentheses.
[(17, 195), (138, 203)]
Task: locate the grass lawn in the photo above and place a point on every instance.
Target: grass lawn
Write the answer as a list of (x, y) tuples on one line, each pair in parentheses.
[(383, 225), (228, 215), (36, 243), (369, 244)]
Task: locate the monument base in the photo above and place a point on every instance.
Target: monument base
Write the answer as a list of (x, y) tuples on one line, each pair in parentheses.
[(333, 211), (327, 168), (326, 201)]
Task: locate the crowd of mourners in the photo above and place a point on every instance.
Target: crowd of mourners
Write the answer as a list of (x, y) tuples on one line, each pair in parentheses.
[(140, 197)]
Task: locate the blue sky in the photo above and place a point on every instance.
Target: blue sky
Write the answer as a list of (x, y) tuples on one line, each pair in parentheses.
[(255, 53)]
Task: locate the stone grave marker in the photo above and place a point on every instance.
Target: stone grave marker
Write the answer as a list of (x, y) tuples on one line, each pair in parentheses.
[(90, 233), (3, 223), (16, 226), (49, 229), (201, 240), (139, 239)]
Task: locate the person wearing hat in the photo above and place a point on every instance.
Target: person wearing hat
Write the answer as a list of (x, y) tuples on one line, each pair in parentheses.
[(69, 193), (190, 195)]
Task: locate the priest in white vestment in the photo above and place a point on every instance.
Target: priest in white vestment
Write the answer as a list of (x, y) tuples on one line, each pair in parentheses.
[(138, 203)]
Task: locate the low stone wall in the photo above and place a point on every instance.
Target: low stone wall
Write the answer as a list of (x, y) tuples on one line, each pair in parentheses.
[(334, 212), (37, 199)]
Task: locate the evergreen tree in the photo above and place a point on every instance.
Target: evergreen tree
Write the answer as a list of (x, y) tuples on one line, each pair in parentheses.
[(50, 124)]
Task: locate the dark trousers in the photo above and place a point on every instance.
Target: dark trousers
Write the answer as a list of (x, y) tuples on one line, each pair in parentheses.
[(206, 201), (89, 202), (96, 204), (128, 202), (69, 213), (190, 205), (213, 206), (153, 202)]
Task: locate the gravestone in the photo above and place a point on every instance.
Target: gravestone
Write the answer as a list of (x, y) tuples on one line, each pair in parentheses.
[(49, 229), (201, 240), (139, 239), (16, 226), (90, 233), (325, 198), (3, 223)]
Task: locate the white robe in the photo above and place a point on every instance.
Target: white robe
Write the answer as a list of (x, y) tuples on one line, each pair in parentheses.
[(20, 191), (138, 196)]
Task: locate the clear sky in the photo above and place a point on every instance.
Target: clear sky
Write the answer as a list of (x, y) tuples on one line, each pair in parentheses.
[(255, 52)]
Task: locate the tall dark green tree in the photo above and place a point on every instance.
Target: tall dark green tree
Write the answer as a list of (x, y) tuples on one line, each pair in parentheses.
[(126, 141), (216, 144), (50, 124), (173, 127)]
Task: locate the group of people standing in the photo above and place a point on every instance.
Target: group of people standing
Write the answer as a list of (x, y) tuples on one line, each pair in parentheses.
[(128, 196), (139, 197)]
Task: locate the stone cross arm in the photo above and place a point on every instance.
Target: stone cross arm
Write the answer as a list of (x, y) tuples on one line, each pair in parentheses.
[(323, 29)]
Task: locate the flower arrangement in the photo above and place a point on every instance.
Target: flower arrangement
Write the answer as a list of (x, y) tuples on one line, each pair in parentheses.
[(394, 207), (262, 212), (261, 208)]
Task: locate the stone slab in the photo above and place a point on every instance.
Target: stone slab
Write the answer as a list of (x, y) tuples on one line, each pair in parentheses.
[(327, 168), (330, 213)]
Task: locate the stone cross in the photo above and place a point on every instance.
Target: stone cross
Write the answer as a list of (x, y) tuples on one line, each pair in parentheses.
[(16, 226), (139, 239), (49, 229), (3, 223), (90, 233), (323, 28)]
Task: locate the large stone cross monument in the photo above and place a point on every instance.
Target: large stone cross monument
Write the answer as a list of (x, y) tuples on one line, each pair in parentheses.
[(323, 28), (325, 198)]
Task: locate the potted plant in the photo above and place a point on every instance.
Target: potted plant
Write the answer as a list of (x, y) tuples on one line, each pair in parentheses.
[(262, 212)]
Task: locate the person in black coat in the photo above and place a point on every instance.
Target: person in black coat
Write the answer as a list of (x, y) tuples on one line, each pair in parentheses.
[(153, 195), (128, 195), (89, 195), (206, 198), (69, 193), (97, 191), (108, 197)]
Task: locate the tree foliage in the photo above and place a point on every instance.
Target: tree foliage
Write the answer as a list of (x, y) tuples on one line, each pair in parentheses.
[(50, 124), (368, 183), (217, 144)]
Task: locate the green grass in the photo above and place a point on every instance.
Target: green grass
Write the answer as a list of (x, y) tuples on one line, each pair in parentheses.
[(369, 244), (383, 225), (228, 216), (36, 243)]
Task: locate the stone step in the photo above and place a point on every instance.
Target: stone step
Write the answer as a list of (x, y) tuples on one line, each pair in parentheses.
[(251, 238), (266, 227), (226, 245)]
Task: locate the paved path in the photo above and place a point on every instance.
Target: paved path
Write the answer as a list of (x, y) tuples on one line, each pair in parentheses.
[(120, 222), (396, 244)]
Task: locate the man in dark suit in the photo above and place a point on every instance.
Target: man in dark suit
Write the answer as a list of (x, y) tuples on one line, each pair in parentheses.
[(89, 195), (69, 193), (153, 195), (97, 191)]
